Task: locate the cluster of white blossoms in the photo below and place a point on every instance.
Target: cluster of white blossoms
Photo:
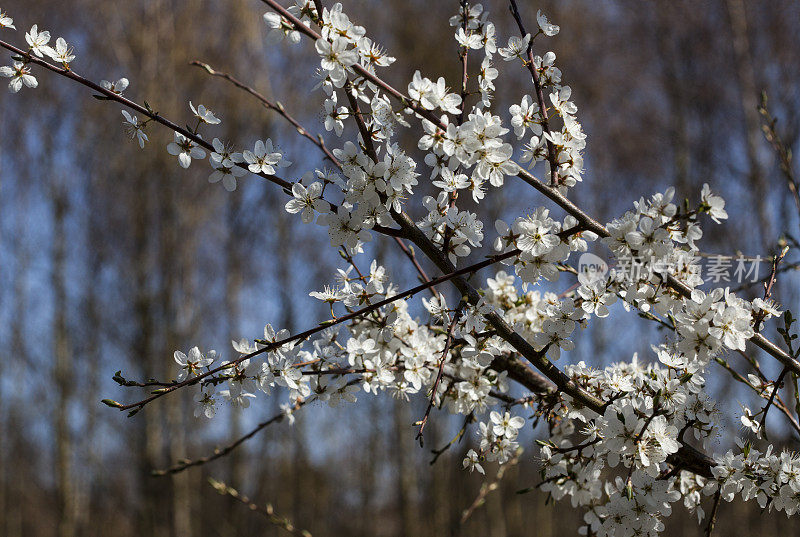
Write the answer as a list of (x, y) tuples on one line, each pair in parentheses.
[(773, 479), (498, 440), (622, 442), (39, 45), (228, 164), (614, 463)]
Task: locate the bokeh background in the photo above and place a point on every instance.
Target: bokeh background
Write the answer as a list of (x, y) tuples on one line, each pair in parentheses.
[(112, 257)]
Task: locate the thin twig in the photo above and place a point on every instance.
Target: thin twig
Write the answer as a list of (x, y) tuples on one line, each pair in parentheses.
[(457, 438), (551, 150), (311, 331), (776, 259), (778, 403), (712, 520), (218, 453), (267, 510), (486, 488), (784, 153), (424, 420), (274, 106), (413, 258), (775, 389)]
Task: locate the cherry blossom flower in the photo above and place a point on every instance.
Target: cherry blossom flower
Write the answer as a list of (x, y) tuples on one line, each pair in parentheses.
[(307, 201), (337, 57), (280, 28), (547, 28), (472, 461), (227, 174), (62, 52), (714, 205), (204, 114), (192, 363), (135, 129), (516, 49), (6, 21), (206, 405), (264, 158), (116, 87), (185, 149), (20, 75), (37, 41)]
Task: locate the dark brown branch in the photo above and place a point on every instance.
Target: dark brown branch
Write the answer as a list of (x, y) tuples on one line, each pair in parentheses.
[(307, 333), (585, 221), (110, 95)]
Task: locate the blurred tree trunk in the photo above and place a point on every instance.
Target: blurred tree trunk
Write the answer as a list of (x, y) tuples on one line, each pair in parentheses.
[(91, 461), (405, 469), (62, 373), (676, 90), (440, 494), (11, 485), (178, 311), (237, 463), (371, 525), (752, 124), (14, 276), (149, 437)]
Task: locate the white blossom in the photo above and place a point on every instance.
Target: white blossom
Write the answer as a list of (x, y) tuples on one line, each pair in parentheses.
[(20, 75), (185, 149)]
